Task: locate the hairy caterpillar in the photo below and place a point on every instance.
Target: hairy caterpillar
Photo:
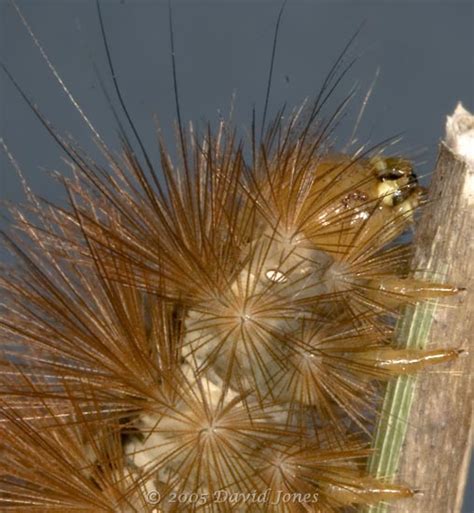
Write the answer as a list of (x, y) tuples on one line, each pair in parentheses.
[(255, 259)]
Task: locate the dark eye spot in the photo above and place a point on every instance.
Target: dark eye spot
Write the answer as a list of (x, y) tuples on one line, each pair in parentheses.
[(392, 174), (398, 197)]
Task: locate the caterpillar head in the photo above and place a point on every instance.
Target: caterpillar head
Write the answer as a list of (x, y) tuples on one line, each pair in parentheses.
[(397, 181)]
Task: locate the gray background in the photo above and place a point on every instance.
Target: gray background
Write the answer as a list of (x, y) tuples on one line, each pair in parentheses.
[(423, 49)]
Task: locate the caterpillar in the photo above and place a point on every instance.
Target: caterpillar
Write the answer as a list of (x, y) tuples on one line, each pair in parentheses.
[(207, 327)]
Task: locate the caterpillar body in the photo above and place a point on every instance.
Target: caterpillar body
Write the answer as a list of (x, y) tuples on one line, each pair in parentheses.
[(208, 333)]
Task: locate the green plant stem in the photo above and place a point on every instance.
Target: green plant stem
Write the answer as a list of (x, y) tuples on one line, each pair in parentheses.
[(412, 332)]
